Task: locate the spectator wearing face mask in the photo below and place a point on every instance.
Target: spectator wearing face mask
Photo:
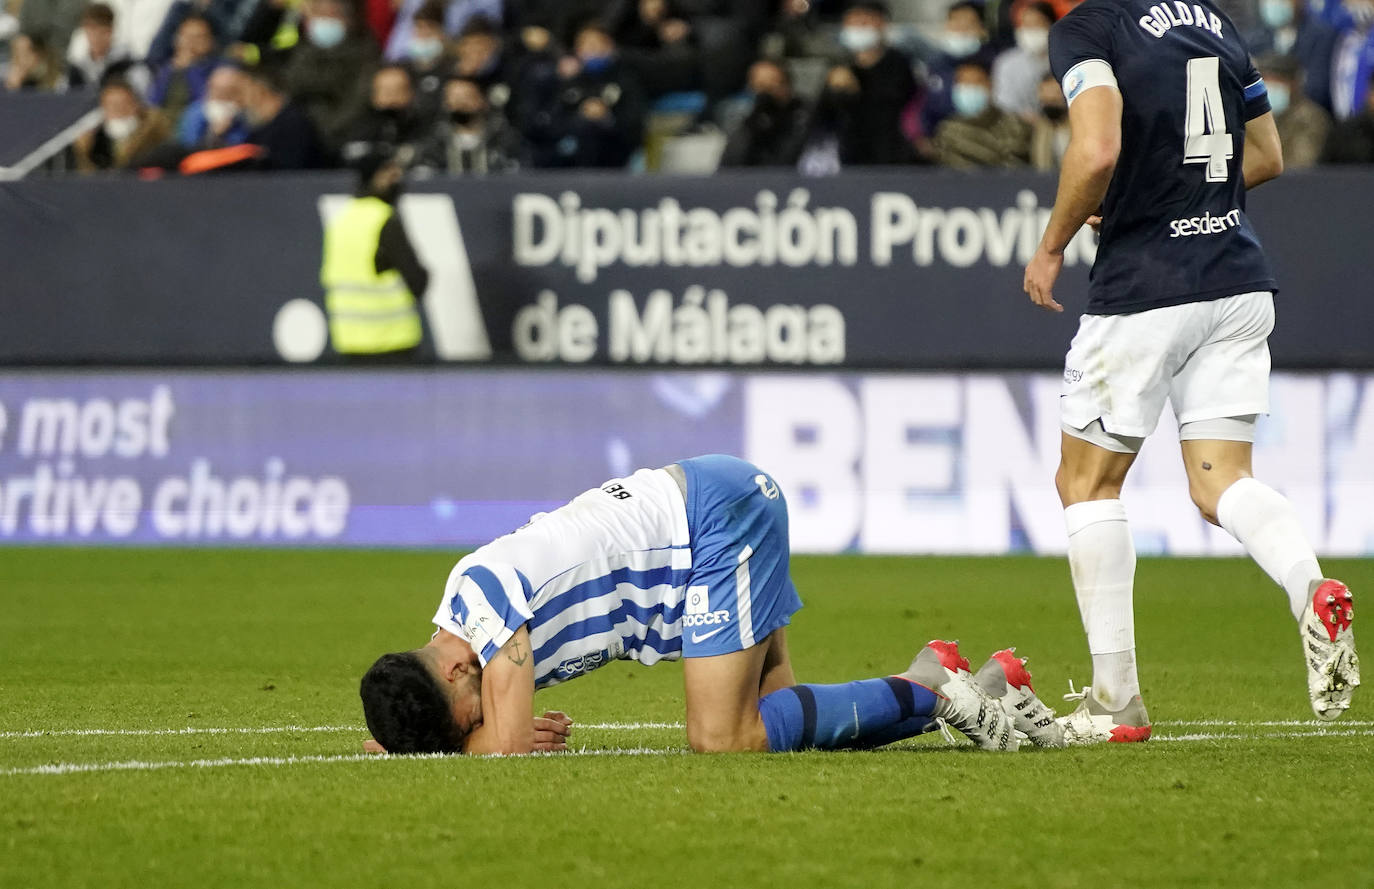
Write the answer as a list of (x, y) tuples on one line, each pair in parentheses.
[(965, 39), (594, 117), (471, 138), (329, 72), (454, 16), (1303, 125), (980, 134), (1288, 29), (389, 121), (218, 120), (1049, 128), (128, 130), (885, 89), (774, 131), (428, 60), (661, 46), (183, 79), (1352, 140), (1017, 72)]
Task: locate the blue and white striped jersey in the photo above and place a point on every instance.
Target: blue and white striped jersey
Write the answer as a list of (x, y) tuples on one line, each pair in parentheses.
[(598, 579)]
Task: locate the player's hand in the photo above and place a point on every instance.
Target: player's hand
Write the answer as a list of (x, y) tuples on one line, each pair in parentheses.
[(1041, 273), (1095, 223), (551, 731), (371, 746)]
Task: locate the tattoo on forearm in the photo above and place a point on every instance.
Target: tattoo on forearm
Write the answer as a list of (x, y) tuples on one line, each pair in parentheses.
[(516, 655)]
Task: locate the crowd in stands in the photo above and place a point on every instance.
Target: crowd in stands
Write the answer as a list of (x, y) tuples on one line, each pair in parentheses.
[(486, 86)]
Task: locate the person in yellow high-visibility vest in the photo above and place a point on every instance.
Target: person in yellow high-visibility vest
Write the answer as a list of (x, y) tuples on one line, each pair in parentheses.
[(371, 275)]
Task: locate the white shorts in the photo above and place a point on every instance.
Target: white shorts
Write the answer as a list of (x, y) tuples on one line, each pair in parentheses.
[(1210, 359)]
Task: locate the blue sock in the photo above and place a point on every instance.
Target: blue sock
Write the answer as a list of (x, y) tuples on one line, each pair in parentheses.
[(865, 713)]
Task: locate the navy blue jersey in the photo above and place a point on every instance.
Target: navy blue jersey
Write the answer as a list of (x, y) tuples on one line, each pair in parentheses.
[(1174, 228)]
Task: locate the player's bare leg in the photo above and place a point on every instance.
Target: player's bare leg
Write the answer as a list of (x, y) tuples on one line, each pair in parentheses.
[(777, 665), (1102, 563), (723, 698), (1265, 523)]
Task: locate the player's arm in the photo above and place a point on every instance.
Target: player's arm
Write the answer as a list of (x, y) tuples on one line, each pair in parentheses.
[(1263, 151), (1086, 172), (507, 700)]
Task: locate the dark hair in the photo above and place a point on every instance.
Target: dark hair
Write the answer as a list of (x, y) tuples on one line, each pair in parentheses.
[(271, 74), (406, 710), (432, 11), (478, 24), (975, 8), (98, 14), (873, 6), (1044, 8)]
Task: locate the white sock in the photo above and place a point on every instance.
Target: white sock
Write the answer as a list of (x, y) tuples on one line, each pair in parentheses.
[(1102, 561), (1264, 522)]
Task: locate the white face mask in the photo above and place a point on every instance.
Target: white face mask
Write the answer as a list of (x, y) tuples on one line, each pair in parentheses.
[(220, 111), (860, 39), (959, 44), (120, 128), (1035, 41)]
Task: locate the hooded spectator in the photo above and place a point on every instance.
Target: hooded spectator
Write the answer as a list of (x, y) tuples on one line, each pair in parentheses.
[(128, 130), (660, 45)]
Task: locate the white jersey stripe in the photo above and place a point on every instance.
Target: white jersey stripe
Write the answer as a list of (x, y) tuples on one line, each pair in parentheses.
[(744, 599)]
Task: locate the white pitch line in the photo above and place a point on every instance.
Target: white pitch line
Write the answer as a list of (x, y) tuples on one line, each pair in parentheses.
[(1244, 723), (276, 729), (1234, 736), (138, 765)]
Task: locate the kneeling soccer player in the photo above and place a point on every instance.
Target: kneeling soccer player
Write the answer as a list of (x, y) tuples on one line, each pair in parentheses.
[(687, 561)]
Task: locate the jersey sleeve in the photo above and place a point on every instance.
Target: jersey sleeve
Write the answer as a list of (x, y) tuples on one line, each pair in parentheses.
[(1256, 94), (485, 605), (1082, 50)]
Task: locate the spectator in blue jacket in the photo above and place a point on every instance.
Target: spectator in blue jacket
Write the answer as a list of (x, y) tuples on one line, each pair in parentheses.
[(183, 80), (1290, 29), (218, 120)]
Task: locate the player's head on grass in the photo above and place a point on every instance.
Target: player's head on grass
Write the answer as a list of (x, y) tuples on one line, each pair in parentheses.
[(421, 701)]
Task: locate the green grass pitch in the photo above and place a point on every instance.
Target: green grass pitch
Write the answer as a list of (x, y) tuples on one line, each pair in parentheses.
[(103, 651)]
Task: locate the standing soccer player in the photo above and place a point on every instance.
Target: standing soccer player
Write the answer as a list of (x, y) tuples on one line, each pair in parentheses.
[(1170, 125)]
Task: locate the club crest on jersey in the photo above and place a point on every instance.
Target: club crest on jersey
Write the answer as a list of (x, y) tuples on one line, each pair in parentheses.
[(767, 486)]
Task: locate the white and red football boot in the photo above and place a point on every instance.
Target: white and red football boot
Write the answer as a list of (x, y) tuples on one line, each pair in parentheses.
[(1093, 723), (1328, 648), (1006, 678), (963, 704)]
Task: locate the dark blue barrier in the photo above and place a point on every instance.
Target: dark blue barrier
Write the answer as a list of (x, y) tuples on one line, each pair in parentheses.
[(915, 269)]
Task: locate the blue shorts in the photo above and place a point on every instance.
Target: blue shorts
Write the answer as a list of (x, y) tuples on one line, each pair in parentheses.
[(739, 589)]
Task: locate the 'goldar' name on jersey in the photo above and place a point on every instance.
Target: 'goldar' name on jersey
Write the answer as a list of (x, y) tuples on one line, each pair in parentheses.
[(1174, 228)]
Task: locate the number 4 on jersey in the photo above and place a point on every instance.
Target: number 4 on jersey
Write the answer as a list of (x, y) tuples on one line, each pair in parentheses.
[(1205, 139)]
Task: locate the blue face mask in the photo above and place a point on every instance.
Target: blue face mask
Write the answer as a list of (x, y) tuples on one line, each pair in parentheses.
[(425, 49), (326, 33), (596, 64), (1276, 13), (969, 99), (1279, 97), (858, 39)]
